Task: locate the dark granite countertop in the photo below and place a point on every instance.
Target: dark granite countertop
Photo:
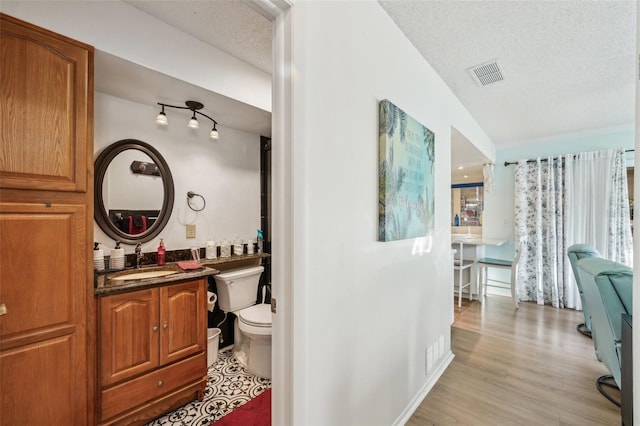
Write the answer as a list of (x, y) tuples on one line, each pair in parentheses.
[(107, 282), (233, 258)]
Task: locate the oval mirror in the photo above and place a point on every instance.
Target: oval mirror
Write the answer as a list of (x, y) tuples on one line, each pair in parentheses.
[(133, 191)]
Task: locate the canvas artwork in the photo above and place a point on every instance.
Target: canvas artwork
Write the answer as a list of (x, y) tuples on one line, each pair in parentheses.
[(406, 175)]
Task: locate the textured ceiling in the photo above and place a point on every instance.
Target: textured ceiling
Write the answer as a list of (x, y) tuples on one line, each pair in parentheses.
[(568, 65), (230, 26)]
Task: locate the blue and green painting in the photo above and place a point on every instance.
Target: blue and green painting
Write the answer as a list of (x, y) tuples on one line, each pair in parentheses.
[(406, 175)]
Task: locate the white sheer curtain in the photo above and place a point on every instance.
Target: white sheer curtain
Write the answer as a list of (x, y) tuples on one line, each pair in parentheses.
[(598, 203), (563, 201)]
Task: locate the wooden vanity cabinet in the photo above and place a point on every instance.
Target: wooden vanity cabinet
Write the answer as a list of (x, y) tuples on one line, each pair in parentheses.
[(152, 351)]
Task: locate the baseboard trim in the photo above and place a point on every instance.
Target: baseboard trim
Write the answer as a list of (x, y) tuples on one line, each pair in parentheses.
[(424, 390)]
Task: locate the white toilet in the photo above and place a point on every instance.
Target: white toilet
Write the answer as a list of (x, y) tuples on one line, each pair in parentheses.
[(237, 290)]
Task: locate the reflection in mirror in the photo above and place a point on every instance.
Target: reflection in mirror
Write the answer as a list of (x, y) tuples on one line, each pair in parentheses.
[(131, 206), (467, 204), (135, 209)]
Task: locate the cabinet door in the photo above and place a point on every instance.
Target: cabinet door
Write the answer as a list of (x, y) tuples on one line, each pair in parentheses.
[(46, 105), (129, 333), (183, 320), (43, 286)]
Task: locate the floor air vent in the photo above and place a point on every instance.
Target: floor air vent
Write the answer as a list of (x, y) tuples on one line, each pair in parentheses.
[(487, 73)]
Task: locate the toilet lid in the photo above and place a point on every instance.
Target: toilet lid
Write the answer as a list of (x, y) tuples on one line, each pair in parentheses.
[(257, 315)]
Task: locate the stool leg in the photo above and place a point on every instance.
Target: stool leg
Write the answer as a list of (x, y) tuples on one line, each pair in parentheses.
[(460, 285), (485, 280)]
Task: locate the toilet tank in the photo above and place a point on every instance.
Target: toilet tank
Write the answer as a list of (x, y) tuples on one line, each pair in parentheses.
[(238, 288)]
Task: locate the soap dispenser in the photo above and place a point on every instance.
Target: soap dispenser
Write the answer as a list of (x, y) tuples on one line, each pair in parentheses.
[(161, 253), (116, 260)]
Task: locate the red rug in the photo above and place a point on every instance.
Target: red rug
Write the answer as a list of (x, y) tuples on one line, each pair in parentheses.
[(256, 412)]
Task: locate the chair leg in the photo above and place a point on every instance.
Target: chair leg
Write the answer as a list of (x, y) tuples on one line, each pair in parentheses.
[(582, 328), (607, 381)]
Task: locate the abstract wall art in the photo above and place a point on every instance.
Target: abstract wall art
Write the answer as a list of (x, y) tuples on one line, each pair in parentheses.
[(406, 175)]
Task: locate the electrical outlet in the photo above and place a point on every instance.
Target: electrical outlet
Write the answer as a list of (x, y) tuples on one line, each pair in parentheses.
[(191, 231)]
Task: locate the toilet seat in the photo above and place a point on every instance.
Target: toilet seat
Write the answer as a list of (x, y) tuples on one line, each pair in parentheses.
[(255, 319)]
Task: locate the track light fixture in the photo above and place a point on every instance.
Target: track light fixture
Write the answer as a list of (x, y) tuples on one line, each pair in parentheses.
[(195, 108)]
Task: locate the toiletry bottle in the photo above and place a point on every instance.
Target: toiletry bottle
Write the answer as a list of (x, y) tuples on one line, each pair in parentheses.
[(210, 250), (116, 260), (238, 247), (98, 257), (260, 240), (456, 220), (225, 248), (161, 253)]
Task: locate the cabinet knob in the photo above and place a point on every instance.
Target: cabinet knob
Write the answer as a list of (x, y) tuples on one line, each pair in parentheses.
[(165, 325), (3, 309), (155, 328), (160, 383)]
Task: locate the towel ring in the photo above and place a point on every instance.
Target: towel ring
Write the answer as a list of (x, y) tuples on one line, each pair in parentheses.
[(192, 194)]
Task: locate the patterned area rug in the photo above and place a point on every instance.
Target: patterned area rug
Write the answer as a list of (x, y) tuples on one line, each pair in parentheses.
[(229, 386)]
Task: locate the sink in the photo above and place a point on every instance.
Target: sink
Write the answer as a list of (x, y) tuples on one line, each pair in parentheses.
[(140, 275)]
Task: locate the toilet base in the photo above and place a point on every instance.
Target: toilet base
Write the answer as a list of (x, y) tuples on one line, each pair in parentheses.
[(253, 352)]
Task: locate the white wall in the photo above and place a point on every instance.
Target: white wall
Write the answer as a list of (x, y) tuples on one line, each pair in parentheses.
[(226, 172), (498, 212), (364, 312)]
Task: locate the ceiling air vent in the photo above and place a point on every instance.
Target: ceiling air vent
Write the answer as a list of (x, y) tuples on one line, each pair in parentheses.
[(487, 73)]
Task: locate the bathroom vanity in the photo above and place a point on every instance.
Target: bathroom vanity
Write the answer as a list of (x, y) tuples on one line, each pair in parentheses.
[(152, 342), (152, 338)]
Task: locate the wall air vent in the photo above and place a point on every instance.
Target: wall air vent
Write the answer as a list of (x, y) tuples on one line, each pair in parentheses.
[(487, 73)]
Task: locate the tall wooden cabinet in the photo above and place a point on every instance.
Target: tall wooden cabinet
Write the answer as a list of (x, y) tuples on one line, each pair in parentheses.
[(47, 362), (152, 349)]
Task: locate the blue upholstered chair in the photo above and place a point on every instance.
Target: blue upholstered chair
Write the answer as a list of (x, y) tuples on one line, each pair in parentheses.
[(575, 253), (608, 290)]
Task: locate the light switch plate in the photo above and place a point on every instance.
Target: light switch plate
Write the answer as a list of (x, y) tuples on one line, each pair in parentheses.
[(191, 231)]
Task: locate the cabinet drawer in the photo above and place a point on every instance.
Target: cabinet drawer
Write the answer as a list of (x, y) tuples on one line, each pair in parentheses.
[(125, 396)]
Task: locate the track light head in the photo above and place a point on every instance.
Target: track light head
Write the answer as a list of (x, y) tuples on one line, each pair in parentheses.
[(193, 123), (213, 134), (162, 118)]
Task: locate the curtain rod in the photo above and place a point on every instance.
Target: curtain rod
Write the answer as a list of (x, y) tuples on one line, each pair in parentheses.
[(507, 163)]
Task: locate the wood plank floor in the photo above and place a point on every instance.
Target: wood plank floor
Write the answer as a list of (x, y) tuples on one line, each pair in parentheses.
[(524, 367)]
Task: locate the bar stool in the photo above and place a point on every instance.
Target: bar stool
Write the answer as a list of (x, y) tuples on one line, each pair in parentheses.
[(460, 265), (488, 262)]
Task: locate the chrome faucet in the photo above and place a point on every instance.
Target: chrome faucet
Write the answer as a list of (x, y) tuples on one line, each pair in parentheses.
[(138, 255)]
